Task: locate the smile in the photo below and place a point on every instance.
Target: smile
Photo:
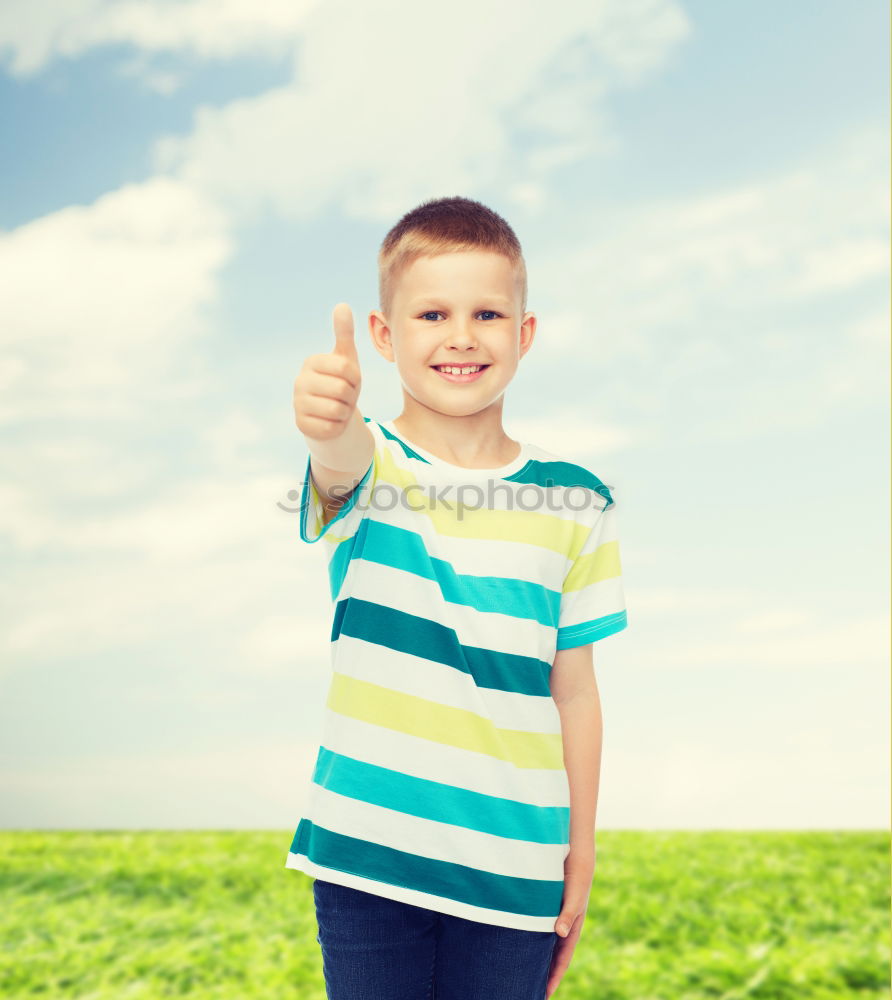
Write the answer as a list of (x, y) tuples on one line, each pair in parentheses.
[(460, 373)]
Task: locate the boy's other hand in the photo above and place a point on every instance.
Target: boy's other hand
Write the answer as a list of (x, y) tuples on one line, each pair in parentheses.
[(579, 871), (326, 391)]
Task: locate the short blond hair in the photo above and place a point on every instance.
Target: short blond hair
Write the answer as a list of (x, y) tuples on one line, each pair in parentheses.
[(445, 225)]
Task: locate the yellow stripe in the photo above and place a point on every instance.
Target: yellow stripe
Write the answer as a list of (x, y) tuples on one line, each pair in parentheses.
[(602, 564), (450, 517), (332, 537), (532, 527), (456, 727)]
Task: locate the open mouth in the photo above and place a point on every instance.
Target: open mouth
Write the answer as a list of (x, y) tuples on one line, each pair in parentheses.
[(460, 373)]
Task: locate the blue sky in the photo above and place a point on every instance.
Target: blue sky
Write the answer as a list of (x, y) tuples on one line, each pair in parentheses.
[(701, 191)]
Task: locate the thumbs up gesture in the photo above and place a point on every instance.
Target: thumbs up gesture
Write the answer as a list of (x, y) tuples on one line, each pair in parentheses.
[(327, 389)]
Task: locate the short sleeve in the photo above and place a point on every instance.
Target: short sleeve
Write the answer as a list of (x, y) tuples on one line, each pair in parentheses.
[(346, 522), (593, 604)]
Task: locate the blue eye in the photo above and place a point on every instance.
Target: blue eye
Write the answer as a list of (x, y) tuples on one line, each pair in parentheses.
[(435, 312)]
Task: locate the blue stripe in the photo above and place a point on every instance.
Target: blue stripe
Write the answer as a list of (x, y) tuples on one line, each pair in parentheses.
[(442, 803), (405, 550), (564, 474), (344, 552), (585, 632), (409, 452), (505, 893), (306, 503), (548, 473), (430, 640)]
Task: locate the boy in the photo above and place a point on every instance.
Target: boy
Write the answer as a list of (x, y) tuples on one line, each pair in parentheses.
[(450, 819)]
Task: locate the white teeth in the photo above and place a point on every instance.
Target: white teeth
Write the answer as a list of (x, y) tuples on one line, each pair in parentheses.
[(458, 371)]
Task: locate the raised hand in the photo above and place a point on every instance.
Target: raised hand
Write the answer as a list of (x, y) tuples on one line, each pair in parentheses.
[(326, 391)]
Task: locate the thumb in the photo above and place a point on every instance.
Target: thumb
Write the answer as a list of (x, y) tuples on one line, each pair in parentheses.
[(345, 343)]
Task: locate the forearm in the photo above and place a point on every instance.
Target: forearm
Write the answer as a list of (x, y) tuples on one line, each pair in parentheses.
[(337, 465), (346, 452), (581, 731)]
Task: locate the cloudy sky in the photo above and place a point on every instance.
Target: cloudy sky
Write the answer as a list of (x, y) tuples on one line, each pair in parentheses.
[(701, 191)]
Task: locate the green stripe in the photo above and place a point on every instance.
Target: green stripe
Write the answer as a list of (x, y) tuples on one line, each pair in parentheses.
[(407, 633), (585, 632), (560, 474), (443, 803), (402, 549), (306, 504), (410, 452), (506, 893)]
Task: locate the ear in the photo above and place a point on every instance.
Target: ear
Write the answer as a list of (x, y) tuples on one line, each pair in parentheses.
[(379, 331), (527, 332)]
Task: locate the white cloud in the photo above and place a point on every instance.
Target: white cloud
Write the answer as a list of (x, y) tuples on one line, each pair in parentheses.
[(571, 433), (706, 302), (872, 329), (686, 602), (336, 134), (798, 640), (195, 558), (164, 82), (35, 32), (843, 265), (791, 777), (801, 234), (229, 438), (274, 642), (628, 38), (100, 299), (105, 307), (240, 786), (742, 627)]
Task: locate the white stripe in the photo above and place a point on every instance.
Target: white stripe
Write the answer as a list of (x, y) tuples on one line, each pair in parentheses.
[(414, 595), (431, 839), (605, 597), (421, 758), (495, 493), (438, 682), (516, 558), (440, 904)]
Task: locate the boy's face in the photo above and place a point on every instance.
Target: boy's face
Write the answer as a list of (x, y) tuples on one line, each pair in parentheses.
[(457, 309)]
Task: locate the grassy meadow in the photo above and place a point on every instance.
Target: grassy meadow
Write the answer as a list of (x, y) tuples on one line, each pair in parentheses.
[(672, 916)]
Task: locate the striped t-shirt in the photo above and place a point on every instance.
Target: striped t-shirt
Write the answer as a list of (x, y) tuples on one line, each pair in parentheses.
[(440, 780)]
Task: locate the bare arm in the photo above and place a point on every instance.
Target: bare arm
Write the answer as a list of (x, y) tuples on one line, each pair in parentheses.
[(326, 394), (575, 692), (337, 466)]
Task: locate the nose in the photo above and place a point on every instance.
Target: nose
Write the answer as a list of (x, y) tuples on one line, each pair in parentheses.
[(461, 337)]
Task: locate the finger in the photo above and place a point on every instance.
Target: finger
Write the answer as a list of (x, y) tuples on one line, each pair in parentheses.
[(566, 919), (560, 964), (560, 960), (345, 342), (325, 408), (335, 365), (331, 384), (551, 986)]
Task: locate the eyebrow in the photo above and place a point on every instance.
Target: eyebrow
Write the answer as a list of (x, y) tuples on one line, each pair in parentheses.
[(434, 300)]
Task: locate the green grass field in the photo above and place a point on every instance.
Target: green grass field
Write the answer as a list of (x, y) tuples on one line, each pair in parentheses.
[(672, 916)]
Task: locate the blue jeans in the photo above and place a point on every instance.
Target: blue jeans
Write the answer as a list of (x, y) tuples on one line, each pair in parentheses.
[(375, 948)]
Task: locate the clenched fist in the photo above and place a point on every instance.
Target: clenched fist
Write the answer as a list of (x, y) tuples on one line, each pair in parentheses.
[(327, 389)]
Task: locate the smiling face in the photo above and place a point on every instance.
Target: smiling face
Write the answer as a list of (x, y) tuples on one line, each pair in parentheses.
[(456, 310)]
